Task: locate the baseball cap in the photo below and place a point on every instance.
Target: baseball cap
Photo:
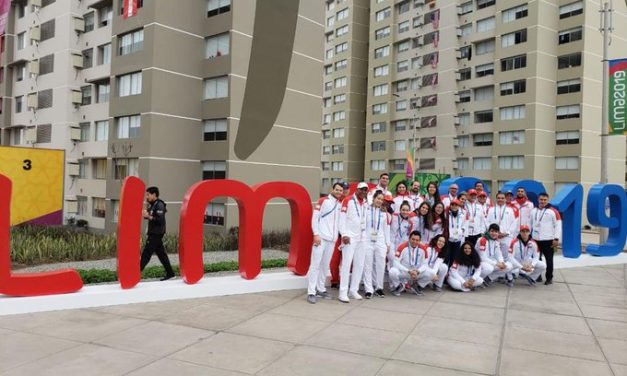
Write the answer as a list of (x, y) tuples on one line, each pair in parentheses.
[(472, 192), (483, 194), (388, 197), (362, 185), (524, 228), (455, 202), (345, 185)]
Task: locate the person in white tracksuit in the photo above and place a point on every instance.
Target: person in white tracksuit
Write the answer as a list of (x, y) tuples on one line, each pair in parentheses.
[(410, 267), (492, 264), (414, 197), (506, 218), (475, 215), (437, 223), (402, 225), (354, 238), (421, 219), (435, 255), (465, 273), (525, 256), (325, 224), (377, 246), (401, 196)]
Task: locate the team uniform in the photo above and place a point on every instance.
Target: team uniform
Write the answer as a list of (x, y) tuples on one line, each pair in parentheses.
[(526, 254), (431, 232), (414, 200), (446, 199), (377, 188), (400, 229), (435, 265), (490, 252), (505, 217), (476, 219), (376, 247), (352, 225), (546, 226), (524, 211), (457, 229), (459, 274), (410, 259), (398, 201), (324, 223)]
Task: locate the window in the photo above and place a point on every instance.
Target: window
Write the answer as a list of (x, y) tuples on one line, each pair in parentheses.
[(430, 79), (328, 85), (484, 70), (516, 37), (215, 7), (482, 163), (214, 214), (330, 21), (465, 52), (21, 40), (99, 207), (19, 100), (89, 21), (131, 42), (341, 47), (484, 93), (397, 164), (513, 87), (44, 98), (123, 167), (403, 7), (482, 139), (86, 95), (106, 15), (377, 165), (102, 130), (214, 130), (326, 150), (402, 47), (339, 115), (21, 9), (485, 3), (44, 133), (486, 24), (340, 82), (377, 146), (217, 87), (567, 112), (462, 164), (81, 203), (339, 65), (337, 166), (400, 145), (569, 86), (569, 61), (45, 3), (571, 9), (99, 168), (567, 138), (342, 14), (130, 84), (483, 116), (381, 52), (217, 45), (379, 127), (381, 71), (514, 62), (382, 33), (213, 170), (401, 86), (464, 118), (103, 91), (484, 47), (571, 35), (338, 133), (104, 54), (88, 58), (466, 29), (426, 164), (47, 30), (337, 149), (340, 98), (516, 162), (325, 166), (85, 131), (20, 72), (429, 100), (401, 105), (341, 31), (512, 112), (400, 125), (326, 119), (566, 163), (428, 122), (463, 141), (128, 126), (402, 66), (515, 13), (380, 108), (463, 74), (380, 90), (383, 14), (463, 96), (403, 27), (512, 137), (465, 8)]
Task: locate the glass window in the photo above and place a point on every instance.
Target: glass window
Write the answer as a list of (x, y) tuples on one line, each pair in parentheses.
[(130, 84), (217, 87), (512, 137), (217, 45), (486, 24), (215, 7), (566, 163), (567, 138), (214, 130), (571, 9), (131, 42), (102, 130), (128, 126), (213, 170), (515, 13), (482, 163), (516, 162), (512, 112), (567, 112)]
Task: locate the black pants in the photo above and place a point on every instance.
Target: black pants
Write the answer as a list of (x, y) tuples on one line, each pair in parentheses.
[(546, 249), (154, 244), (473, 239), (453, 251)]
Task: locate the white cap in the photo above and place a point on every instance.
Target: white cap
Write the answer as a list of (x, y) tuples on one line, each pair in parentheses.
[(362, 185)]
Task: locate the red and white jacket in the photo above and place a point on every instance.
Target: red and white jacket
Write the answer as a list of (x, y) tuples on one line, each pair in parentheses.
[(546, 224), (326, 218), (432, 259), (476, 217), (373, 190), (353, 218), (400, 228), (489, 249), (446, 199), (409, 258), (398, 200), (415, 200), (524, 212), (378, 221), (524, 253), (462, 273), (457, 226), (505, 217)]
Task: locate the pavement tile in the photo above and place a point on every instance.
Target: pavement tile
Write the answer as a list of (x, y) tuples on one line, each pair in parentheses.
[(462, 356), (571, 345), (280, 327), (515, 362), (85, 359), (619, 369), (167, 338), (176, 367), (152, 310), (406, 303), (358, 340), (234, 352), (548, 322), (616, 301), (545, 306), (396, 367), (467, 312), (615, 350), (21, 348), (379, 319), (209, 317), (459, 330), (608, 329), (606, 291), (604, 313), (312, 361), (31, 320), (255, 303), (85, 326), (484, 298), (323, 310)]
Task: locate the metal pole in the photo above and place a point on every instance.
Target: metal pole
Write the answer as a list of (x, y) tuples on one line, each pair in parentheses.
[(606, 30)]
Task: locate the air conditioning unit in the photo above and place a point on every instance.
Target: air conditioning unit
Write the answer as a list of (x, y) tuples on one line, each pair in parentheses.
[(32, 101), (455, 164), (75, 134), (36, 3), (419, 2), (456, 121), (79, 24), (33, 67), (77, 61), (455, 142), (457, 98), (77, 97), (460, 11), (30, 136), (73, 169), (458, 54), (460, 33), (458, 76), (35, 33)]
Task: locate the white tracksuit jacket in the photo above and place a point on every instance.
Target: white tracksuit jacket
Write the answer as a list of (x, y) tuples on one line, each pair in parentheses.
[(475, 214), (524, 212), (410, 259), (352, 225), (400, 229), (522, 254), (505, 217), (325, 223), (376, 246), (457, 226), (546, 224), (490, 252), (436, 265), (458, 274)]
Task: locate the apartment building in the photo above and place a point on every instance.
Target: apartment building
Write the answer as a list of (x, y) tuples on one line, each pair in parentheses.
[(159, 95), (499, 90)]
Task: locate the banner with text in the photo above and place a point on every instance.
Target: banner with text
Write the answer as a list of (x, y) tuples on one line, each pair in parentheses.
[(618, 96)]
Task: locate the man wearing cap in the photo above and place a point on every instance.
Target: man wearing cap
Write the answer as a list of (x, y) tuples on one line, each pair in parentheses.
[(456, 230), (353, 233), (524, 207), (483, 198), (452, 195), (505, 217), (525, 256), (475, 216), (546, 227), (325, 226)]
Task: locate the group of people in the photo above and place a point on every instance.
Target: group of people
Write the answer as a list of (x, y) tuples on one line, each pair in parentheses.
[(461, 239)]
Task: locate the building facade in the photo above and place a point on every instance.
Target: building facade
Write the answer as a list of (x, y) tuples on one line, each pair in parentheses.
[(159, 95)]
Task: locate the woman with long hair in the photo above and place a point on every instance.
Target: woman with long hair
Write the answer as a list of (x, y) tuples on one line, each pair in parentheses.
[(435, 255), (465, 273), (437, 223), (421, 219), (402, 225), (377, 245), (432, 196), (401, 196)]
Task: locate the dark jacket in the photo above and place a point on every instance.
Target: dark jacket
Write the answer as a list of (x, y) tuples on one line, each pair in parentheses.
[(156, 225)]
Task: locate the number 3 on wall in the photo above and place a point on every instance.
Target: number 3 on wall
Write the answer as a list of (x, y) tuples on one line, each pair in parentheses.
[(28, 164)]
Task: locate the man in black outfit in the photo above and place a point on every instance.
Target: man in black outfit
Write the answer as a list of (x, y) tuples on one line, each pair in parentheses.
[(155, 214)]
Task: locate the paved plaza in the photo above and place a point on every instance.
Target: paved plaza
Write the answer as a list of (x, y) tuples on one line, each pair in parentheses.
[(577, 326)]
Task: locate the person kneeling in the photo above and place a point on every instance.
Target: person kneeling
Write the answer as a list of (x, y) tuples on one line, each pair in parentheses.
[(465, 273), (492, 264), (524, 254), (435, 255), (410, 267)]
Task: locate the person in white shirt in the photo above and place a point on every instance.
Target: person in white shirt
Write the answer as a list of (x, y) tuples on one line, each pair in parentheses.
[(505, 217), (401, 196), (479, 189), (377, 246), (402, 225), (483, 198), (414, 197), (475, 217), (421, 219), (354, 238), (525, 256), (384, 181), (492, 264), (465, 273), (546, 226), (437, 223), (410, 267), (452, 195), (457, 228), (432, 196), (524, 207), (325, 224), (435, 255)]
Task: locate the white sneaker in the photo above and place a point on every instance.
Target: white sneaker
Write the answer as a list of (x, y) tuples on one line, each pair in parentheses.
[(354, 295), (343, 299)]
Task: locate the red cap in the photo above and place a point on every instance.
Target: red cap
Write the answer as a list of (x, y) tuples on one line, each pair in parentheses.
[(456, 202), (472, 192), (524, 228), (483, 194), (388, 197)]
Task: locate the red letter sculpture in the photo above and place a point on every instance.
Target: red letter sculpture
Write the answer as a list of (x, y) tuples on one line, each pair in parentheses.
[(129, 231)]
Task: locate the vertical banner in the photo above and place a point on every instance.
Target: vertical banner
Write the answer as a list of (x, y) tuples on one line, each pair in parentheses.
[(130, 8), (618, 96), (5, 6)]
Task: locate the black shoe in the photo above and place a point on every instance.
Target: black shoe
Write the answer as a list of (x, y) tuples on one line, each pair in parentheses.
[(168, 276), (368, 295), (548, 282), (539, 279), (379, 293), (335, 285)]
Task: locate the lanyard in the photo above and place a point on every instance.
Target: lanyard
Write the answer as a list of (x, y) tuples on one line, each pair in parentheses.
[(400, 228), (330, 211), (413, 254), (372, 212), (452, 217), (520, 244), (416, 198), (502, 213), (539, 219), (431, 258), (357, 207), (491, 248), (470, 270)]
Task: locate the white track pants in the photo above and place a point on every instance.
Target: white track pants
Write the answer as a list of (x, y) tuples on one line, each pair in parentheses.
[(504, 244), (319, 266), (397, 276), (535, 273), (442, 271), (458, 285), (374, 266), (353, 253), (489, 270)]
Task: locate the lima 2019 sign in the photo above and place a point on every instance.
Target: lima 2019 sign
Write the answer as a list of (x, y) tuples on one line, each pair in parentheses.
[(251, 203)]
